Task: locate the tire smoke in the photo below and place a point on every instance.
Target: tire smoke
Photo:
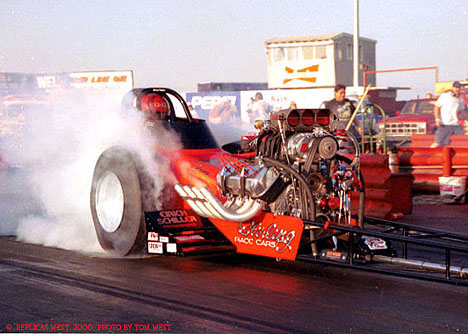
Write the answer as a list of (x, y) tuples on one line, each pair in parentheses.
[(56, 155)]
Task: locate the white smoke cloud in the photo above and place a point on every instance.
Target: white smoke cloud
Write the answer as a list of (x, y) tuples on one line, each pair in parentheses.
[(57, 154), (225, 133)]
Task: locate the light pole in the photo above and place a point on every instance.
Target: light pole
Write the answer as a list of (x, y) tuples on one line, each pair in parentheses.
[(356, 45)]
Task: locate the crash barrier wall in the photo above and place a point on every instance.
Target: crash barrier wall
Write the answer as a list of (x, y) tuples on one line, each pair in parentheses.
[(388, 195), (427, 164), (427, 140)]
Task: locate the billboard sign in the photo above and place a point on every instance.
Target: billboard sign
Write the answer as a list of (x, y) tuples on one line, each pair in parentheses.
[(114, 82), (215, 107)]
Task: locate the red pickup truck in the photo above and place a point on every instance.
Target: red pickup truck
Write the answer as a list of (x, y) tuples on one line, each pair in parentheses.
[(417, 116)]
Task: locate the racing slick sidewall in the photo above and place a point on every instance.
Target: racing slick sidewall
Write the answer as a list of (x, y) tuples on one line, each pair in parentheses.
[(125, 235)]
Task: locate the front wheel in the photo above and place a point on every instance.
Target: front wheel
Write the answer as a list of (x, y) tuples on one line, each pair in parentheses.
[(116, 201)]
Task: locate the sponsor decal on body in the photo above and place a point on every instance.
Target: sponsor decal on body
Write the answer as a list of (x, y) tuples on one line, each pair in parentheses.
[(171, 248), (375, 243), (176, 217), (153, 236), (155, 247), (194, 237), (265, 235), (270, 236)]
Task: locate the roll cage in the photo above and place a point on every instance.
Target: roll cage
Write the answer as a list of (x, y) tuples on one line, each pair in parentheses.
[(194, 133)]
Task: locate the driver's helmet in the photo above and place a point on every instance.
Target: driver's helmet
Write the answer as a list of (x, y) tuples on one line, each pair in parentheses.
[(155, 107)]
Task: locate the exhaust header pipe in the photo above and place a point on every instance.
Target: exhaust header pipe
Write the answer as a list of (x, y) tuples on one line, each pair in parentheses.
[(205, 204)]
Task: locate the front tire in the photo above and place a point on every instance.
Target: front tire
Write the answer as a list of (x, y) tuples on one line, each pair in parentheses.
[(116, 201)]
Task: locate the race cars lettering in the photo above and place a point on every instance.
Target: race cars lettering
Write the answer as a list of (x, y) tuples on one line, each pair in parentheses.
[(258, 242), (268, 237), (246, 241), (175, 217), (266, 243)]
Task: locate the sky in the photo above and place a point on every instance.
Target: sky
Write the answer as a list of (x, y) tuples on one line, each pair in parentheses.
[(180, 43)]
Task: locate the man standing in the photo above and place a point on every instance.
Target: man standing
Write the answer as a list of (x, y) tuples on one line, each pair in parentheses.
[(445, 111), (260, 108), (340, 106), (342, 109), (224, 112)]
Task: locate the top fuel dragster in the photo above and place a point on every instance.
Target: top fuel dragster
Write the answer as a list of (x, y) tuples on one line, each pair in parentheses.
[(292, 190)]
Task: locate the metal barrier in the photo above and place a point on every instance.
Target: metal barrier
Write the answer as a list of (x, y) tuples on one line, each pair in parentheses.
[(367, 125), (427, 164)]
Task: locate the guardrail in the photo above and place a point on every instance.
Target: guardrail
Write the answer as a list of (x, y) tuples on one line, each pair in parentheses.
[(427, 164), (388, 195)]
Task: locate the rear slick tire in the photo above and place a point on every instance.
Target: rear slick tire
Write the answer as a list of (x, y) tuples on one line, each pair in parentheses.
[(116, 202)]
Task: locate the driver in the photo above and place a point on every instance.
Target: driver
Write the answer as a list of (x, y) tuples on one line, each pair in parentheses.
[(155, 107)]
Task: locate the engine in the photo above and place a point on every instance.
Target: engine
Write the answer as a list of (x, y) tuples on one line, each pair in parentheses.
[(298, 168), (294, 166)]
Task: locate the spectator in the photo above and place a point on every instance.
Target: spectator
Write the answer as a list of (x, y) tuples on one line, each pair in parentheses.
[(223, 112), (341, 108), (260, 108), (293, 105), (446, 119)]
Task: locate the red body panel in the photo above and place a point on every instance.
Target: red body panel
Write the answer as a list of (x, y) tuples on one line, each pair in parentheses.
[(264, 235), (197, 167)]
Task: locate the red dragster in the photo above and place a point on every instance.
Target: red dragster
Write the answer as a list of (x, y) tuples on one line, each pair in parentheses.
[(258, 196)]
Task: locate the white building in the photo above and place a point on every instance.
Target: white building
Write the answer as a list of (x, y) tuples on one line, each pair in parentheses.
[(318, 60)]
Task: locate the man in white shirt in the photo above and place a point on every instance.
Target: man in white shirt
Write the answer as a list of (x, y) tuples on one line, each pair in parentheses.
[(446, 109), (260, 108)]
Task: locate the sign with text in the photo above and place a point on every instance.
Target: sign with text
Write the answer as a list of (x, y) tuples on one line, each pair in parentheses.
[(215, 106), (115, 82)]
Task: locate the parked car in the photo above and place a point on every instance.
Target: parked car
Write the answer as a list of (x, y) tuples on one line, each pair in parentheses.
[(417, 116)]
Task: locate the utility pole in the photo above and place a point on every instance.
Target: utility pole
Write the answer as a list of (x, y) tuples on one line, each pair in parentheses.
[(356, 45)]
